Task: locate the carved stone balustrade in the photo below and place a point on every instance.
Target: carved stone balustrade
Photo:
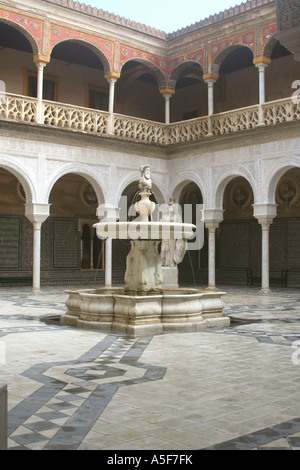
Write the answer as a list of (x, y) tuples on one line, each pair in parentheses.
[(235, 121), (280, 111), (136, 129), (91, 121)]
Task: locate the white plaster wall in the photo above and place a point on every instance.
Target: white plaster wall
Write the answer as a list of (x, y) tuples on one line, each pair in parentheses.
[(261, 165), (39, 165)]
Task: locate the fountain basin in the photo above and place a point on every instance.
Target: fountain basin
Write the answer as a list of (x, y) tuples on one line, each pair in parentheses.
[(139, 315)]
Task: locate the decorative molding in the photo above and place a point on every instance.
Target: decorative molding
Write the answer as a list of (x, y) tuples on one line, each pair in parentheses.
[(33, 27), (41, 59), (59, 33), (167, 91), (112, 76), (244, 39), (116, 19), (165, 65), (261, 61), (210, 76), (266, 33), (45, 35)]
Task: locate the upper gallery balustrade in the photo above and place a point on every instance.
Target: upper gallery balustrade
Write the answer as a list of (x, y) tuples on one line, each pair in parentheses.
[(70, 75), (17, 108)]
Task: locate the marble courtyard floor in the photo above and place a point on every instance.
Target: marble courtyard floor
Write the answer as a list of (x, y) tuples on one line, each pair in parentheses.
[(233, 388)]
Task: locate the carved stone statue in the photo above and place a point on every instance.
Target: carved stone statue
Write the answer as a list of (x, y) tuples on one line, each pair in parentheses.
[(145, 183), (145, 207), (143, 265)]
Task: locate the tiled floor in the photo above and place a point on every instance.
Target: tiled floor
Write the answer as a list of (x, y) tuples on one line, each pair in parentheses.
[(233, 388)]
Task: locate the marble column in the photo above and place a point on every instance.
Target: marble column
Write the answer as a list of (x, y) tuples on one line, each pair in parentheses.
[(37, 214), (261, 63), (36, 256), (40, 84), (212, 219), (265, 275), (112, 79), (210, 89), (167, 94), (167, 108), (265, 214), (210, 79), (211, 255), (108, 262), (108, 213), (112, 82)]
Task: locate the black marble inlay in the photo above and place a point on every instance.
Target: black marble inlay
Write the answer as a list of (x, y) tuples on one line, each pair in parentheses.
[(101, 363), (260, 438)]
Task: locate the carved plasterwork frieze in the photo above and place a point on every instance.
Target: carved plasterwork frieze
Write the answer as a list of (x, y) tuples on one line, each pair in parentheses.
[(288, 14)]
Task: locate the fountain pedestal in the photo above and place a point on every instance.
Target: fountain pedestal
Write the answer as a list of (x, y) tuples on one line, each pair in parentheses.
[(143, 268)]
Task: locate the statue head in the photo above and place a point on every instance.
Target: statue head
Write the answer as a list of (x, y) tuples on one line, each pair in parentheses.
[(145, 182), (146, 171)]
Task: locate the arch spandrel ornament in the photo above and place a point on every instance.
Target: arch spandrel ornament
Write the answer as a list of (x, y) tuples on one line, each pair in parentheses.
[(32, 28), (218, 51), (103, 48)]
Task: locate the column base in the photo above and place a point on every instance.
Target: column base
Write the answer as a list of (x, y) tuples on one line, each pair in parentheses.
[(211, 288), (265, 290), (36, 290)]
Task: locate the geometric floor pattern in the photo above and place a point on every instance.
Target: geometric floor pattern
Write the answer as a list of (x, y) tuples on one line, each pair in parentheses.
[(284, 436), (233, 388), (58, 416)]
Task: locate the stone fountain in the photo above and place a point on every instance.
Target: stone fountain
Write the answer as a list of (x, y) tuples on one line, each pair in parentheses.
[(143, 306)]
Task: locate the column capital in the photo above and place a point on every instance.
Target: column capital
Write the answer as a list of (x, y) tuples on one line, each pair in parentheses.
[(212, 225), (40, 66), (37, 213), (265, 213), (212, 218), (167, 91), (265, 61), (40, 59), (210, 77), (112, 76)]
